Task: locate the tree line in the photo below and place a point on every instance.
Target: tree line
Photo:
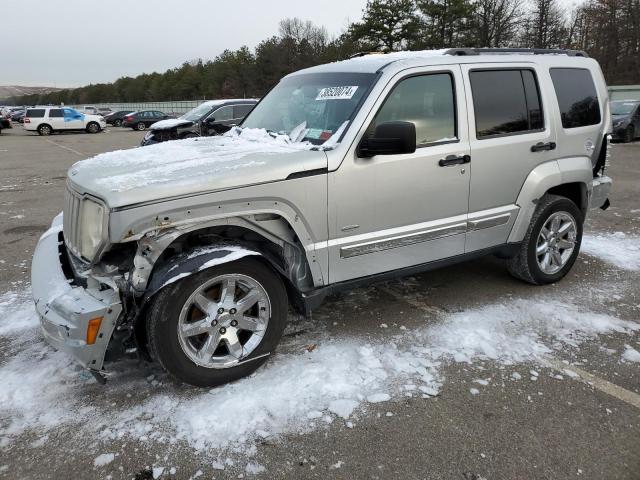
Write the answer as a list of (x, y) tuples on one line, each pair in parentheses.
[(608, 30)]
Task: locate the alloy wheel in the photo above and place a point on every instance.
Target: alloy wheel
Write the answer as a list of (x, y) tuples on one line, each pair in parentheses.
[(556, 242), (224, 320)]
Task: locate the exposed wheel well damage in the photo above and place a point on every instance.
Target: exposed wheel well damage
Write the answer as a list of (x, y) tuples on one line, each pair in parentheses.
[(269, 235), (274, 244)]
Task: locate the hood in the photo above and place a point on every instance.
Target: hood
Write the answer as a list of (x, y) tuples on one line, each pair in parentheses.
[(170, 123), (184, 167)]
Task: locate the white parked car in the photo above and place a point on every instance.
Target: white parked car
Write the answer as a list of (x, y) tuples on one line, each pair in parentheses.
[(46, 120)]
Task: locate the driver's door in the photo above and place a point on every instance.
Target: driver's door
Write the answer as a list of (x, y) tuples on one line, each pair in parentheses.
[(73, 119), (389, 212)]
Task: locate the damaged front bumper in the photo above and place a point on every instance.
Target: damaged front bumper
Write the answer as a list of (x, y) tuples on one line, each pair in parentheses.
[(66, 309)]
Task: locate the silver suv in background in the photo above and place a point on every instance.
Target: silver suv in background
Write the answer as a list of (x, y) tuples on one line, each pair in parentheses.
[(191, 253)]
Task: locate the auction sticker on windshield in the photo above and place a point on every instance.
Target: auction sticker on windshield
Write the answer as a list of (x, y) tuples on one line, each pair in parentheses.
[(336, 93)]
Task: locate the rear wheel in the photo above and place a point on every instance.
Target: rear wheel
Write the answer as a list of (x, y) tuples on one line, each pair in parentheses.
[(140, 126), (93, 127), (629, 134), (44, 130), (552, 242), (218, 325)]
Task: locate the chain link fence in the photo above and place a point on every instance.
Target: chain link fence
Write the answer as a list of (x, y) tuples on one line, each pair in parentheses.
[(176, 107)]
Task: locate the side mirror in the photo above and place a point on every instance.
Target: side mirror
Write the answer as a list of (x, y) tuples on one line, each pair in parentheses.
[(389, 138), (210, 121)]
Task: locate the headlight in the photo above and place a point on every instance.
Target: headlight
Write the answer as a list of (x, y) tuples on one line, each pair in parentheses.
[(619, 123), (91, 221)]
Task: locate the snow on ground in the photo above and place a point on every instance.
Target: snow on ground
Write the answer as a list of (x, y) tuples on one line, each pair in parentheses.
[(619, 249), (631, 354), (298, 390), (16, 313)]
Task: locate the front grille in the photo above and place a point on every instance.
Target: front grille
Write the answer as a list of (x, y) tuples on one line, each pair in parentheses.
[(71, 219)]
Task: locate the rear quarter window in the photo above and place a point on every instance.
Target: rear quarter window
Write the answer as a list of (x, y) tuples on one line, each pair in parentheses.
[(35, 113), (577, 97)]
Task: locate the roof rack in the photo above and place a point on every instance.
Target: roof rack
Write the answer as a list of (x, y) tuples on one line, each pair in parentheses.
[(364, 54), (534, 51)]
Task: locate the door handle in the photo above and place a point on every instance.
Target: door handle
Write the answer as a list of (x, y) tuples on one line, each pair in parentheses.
[(541, 147), (454, 160)]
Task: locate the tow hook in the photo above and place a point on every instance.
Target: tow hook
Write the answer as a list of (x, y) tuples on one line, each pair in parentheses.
[(100, 378)]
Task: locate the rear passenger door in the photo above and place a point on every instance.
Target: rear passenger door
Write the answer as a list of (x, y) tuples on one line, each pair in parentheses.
[(56, 119), (511, 132)]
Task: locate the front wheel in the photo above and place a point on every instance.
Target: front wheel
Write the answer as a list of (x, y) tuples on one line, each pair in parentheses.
[(117, 123), (140, 126), (93, 127), (551, 244), (218, 325)]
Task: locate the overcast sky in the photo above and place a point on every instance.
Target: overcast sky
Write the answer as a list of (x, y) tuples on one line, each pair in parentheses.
[(69, 43)]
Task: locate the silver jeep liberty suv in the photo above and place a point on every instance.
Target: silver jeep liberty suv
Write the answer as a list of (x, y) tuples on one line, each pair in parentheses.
[(192, 252)]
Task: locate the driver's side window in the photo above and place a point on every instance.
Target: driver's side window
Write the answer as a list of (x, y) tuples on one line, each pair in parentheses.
[(428, 102), (223, 113)]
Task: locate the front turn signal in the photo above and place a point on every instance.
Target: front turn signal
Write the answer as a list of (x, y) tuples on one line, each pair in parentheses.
[(92, 330)]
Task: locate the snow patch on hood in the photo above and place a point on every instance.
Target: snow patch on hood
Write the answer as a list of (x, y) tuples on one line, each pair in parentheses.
[(169, 123), (185, 160)]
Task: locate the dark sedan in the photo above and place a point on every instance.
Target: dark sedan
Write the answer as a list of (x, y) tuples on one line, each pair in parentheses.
[(18, 116), (625, 116), (210, 118), (143, 119), (115, 118)]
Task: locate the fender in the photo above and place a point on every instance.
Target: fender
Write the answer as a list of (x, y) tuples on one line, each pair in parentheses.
[(540, 180)]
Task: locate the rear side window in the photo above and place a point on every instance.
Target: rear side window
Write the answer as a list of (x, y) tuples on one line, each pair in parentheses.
[(241, 111), (506, 102), (55, 113), (577, 97), (35, 113)]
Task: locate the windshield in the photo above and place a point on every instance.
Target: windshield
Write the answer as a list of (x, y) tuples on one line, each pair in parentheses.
[(311, 107), (622, 108), (197, 113)]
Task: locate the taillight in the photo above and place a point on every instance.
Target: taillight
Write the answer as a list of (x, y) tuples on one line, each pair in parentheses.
[(27, 120), (128, 119)]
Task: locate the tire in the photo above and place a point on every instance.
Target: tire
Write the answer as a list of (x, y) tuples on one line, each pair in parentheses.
[(528, 263), (117, 123), (93, 127), (173, 308), (140, 126), (629, 134), (44, 130)]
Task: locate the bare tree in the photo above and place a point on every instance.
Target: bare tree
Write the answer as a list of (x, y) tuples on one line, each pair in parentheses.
[(301, 30), (497, 23), (545, 25)]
